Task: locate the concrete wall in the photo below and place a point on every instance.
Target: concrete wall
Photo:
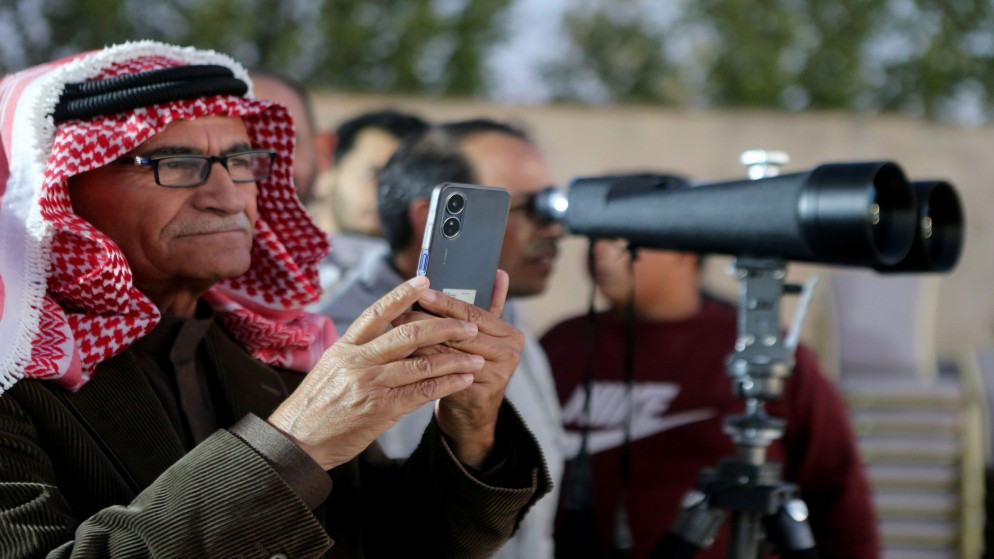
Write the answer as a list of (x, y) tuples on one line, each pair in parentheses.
[(957, 310)]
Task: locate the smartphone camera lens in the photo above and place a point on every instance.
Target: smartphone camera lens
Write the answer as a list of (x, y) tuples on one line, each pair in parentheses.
[(450, 227), (455, 203)]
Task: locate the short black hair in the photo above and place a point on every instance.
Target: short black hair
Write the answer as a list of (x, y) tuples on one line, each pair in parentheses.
[(398, 124), (423, 161), (461, 129), (419, 164)]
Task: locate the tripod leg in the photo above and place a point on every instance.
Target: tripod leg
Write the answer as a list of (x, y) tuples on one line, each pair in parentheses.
[(788, 529), (746, 536), (694, 529)]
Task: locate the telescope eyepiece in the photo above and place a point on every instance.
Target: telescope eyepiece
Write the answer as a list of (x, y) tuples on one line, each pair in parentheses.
[(550, 204)]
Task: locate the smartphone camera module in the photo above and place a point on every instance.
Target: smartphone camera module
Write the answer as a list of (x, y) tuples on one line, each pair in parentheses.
[(455, 203), (450, 227)]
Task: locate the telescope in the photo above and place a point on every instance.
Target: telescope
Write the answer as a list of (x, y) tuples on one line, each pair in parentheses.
[(851, 214)]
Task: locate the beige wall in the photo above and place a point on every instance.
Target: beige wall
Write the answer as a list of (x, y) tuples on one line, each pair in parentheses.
[(705, 145)]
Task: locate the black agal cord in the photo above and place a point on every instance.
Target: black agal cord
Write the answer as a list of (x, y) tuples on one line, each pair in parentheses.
[(123, 93)]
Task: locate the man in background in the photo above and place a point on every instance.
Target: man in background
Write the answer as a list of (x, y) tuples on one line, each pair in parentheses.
[(491, 153), (290, 94), (668, 359), (347, 194)]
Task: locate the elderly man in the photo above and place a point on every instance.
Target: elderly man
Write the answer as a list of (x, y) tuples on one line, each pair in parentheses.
[(155, 262), (479, 151)]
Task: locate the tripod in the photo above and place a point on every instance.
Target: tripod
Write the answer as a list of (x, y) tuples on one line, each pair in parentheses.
[(763, 508)]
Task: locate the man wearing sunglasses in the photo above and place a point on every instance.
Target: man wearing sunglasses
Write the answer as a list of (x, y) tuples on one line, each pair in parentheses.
[(162, 391)]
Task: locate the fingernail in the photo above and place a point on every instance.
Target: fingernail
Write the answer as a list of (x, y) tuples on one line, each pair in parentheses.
[(467, 378), (418, 282), (428, 296), (477, 359), (471, 328)]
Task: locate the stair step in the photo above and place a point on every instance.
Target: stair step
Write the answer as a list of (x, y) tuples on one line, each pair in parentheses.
[(911, 553), (874, 421), (914, 477), (941, 394), (918, 505), (920, 535), (904, 450)]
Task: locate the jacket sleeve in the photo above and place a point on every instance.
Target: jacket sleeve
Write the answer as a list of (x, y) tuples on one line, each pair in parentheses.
[(825, 463), (441, 509), (221, 499)]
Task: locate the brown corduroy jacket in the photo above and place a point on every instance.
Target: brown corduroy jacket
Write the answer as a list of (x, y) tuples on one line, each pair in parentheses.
[(103, 473)]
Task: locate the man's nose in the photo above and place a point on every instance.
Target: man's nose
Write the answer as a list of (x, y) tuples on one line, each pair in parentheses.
[(220, 193), (553, 229)]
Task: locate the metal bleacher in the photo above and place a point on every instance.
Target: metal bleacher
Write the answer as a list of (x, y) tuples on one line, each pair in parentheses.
[(922, 432)]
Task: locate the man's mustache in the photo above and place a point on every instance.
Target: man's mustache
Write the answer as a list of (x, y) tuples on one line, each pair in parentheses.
[(542, 249), (237, 222)]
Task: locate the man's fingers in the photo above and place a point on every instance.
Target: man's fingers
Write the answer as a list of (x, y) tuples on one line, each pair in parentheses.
[(492, 348), (420, 393), (501, 283), (405, 339), (375, 319), (411, 316), (443, 305), (413, 370)]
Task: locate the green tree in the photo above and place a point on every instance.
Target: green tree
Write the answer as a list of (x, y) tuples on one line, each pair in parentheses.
[(931, 57), (409, 45), (615, 53), (434, 46)]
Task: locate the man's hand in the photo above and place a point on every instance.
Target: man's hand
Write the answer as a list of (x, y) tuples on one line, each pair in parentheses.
[(469, 417), (371, 377)]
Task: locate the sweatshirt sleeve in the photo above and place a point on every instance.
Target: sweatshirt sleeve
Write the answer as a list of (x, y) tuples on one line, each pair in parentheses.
[(825, 463)]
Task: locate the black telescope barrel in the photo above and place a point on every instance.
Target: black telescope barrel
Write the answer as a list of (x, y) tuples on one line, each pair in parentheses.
[(859, 214), (939, 230)]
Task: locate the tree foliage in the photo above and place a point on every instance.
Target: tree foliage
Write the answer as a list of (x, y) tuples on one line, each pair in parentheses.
[(931, 57), (616, 56), (928, 57), (432, 46)]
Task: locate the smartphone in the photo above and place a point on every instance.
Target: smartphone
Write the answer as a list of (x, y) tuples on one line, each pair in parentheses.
[(463, 237)]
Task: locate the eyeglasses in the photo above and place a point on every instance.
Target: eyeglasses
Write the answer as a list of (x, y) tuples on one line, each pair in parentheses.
[(187, 171), (530, 205)]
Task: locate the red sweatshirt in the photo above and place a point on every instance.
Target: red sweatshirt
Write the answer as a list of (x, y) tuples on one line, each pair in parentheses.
[(681, 392)]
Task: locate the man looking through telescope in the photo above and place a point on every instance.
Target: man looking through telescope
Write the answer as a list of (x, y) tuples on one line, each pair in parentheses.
[(679, 393)]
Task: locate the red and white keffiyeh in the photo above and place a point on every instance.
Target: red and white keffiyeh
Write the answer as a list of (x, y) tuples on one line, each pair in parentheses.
[(67, 301)]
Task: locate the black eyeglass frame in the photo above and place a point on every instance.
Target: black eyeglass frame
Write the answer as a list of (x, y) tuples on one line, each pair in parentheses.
[(206, 174)]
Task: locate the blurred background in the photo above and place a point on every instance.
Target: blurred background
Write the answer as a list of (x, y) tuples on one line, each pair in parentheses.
[(684, 86)]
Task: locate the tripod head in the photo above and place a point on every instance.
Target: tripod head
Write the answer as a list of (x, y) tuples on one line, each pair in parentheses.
[(746, 484)]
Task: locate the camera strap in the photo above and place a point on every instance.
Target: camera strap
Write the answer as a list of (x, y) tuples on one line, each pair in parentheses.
[(623, 541), (579, 519)]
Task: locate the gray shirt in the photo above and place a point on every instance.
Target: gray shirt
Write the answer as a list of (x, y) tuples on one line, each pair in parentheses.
[(531, 390), (335, 271)]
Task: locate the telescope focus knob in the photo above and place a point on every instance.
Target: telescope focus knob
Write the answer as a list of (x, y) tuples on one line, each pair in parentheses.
[(763, 163)]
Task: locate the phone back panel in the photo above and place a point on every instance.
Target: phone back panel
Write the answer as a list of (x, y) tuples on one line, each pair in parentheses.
[(464, 265)]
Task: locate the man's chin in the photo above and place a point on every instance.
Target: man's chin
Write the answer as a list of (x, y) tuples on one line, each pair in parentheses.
[(368, 228), (526, 289), (220, 269)]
